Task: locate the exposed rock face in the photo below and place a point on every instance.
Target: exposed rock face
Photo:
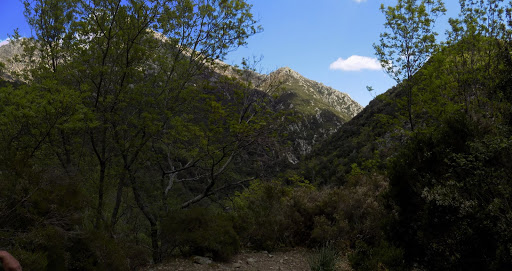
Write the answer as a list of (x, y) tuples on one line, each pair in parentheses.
[(320, 110), (7, 52), (318, 95)]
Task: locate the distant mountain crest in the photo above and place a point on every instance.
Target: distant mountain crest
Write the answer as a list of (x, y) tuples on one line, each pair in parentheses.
[(321, 110), (314, 95)]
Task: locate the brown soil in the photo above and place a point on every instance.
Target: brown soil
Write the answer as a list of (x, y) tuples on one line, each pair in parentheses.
[(289, 260)]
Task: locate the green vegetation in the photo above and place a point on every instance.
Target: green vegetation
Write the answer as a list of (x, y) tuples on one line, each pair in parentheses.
[(324, 259), (117, 127), (446, 206), (122, 145), (410, 41)]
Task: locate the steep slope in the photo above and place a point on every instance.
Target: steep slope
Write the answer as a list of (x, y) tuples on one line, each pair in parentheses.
[(365, 137), (317, 110), (313, 97), (381, 129)]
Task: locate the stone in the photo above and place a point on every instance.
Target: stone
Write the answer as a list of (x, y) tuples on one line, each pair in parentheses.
[(202, 260), (251, 261)]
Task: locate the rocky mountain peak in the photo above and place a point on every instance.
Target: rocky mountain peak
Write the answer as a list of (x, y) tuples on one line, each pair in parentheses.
[(317, 95), (287, 71)]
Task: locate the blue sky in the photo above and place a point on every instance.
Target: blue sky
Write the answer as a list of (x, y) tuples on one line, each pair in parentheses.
[(311, 36), (329, 41)]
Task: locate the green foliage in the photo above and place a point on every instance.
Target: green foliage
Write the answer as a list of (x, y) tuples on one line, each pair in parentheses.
[(51, 248), (324, 258), (260, 218), (382, 256), (201, 231), (447, 183), (450, 176), (100, 252), (109, 105), (411, 40), (31, 260), (271, 214), (447, 187)]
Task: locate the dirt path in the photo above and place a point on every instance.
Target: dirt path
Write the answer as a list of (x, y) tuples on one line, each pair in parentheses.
[(289, 260), (293, 260)]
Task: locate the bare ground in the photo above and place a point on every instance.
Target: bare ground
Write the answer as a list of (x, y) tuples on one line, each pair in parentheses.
[(286, 260)]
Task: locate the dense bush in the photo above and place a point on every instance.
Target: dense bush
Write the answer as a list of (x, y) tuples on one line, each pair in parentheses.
[(274, 214), (260, 215), (201, 231), (376, 256), (451, 189), (50, 248), (97, 251)]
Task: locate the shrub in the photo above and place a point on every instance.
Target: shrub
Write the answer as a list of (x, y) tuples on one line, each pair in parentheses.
[(97, 251), (273, 214), (324, 259), (201, 231), (381, 256), (261, 218), (42, 249), (31, 260)]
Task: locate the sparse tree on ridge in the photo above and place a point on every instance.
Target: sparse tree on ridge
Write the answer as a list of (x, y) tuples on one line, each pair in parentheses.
[(409, 41)]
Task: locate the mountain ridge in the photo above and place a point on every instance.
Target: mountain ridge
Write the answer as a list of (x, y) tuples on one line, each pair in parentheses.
[(319, 110), (344, 105)]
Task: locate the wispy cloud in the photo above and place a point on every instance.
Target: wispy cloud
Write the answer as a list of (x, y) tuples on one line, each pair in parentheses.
[(356, 63), (360, 1)]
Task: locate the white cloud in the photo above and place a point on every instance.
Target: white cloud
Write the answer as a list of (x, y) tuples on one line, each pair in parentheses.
[(4, 42), (356, 63), (360, 1)]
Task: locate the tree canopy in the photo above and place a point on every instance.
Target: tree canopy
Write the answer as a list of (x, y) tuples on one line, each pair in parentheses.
[(122, 100)]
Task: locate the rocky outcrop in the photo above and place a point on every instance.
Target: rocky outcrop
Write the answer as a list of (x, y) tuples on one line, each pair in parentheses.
[(316, 96), (319, 110), (7, 53)]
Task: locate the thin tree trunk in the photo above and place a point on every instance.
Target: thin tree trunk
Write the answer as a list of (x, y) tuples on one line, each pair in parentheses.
[(154, 243), (409, 109), (101, 188), (151, 219), (119, 197)]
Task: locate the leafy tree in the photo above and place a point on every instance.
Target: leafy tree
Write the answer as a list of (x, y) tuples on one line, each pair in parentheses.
[(475, 40), (410, 41), (134, 74)]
